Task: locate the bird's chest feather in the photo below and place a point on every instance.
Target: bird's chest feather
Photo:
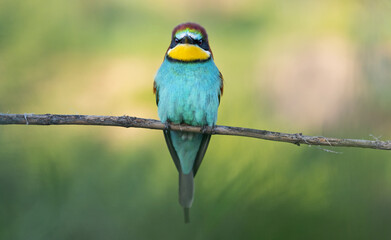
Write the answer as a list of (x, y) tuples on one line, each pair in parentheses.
[(188, 92)]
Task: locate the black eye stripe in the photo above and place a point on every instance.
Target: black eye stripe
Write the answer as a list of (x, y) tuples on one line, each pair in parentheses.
[(199, 42)]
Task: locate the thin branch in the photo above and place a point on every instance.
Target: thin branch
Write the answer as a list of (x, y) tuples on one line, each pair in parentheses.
[(126, 121)]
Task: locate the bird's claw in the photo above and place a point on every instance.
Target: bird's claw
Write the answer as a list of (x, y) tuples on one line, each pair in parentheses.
[(213, 130), (167, 126), (204, 129), (208, 130)]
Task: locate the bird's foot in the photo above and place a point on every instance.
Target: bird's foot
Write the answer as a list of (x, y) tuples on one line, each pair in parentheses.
[(167, 126), (204, 129), (208, 130), (213, 130)]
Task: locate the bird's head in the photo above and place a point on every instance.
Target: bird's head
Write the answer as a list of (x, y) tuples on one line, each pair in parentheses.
[(189, 43)]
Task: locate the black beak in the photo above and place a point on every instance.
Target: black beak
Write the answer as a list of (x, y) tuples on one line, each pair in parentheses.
[(187, 40)]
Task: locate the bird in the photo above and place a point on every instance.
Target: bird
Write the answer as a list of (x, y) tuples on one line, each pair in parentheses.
[(188, 87)]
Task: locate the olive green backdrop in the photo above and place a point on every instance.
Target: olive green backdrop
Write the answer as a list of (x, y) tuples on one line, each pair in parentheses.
[(316, 67)]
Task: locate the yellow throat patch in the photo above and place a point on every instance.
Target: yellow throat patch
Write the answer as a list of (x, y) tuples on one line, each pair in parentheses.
[(188, 52)]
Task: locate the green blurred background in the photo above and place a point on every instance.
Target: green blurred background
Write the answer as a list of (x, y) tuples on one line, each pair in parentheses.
[(317, 67)]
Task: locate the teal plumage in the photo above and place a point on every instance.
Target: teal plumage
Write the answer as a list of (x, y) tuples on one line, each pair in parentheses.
[(188, 92), (188, 87)]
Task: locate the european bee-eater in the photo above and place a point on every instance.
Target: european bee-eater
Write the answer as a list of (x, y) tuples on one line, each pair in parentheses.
[(188, 87)]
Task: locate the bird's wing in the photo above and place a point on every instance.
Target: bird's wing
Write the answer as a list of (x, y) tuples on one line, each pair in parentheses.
[(206, 137), (201, 152), (174, 155), (221, 85), (156, 92)]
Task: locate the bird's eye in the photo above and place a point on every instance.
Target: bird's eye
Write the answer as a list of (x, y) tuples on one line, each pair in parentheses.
[(199, 42), (176, 40)]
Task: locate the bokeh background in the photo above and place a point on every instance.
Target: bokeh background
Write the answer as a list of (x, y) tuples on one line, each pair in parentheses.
[(316, 67)]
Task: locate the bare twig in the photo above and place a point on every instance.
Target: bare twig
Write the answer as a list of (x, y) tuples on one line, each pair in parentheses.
[(126, 121)]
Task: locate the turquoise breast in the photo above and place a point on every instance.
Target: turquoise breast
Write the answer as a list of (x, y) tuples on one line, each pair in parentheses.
[(188, 92)]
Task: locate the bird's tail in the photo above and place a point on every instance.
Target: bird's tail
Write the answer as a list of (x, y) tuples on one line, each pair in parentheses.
[(186, 192)]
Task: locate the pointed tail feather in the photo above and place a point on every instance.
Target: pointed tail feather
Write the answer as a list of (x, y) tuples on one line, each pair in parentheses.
[(186, 192), (187, 214)]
